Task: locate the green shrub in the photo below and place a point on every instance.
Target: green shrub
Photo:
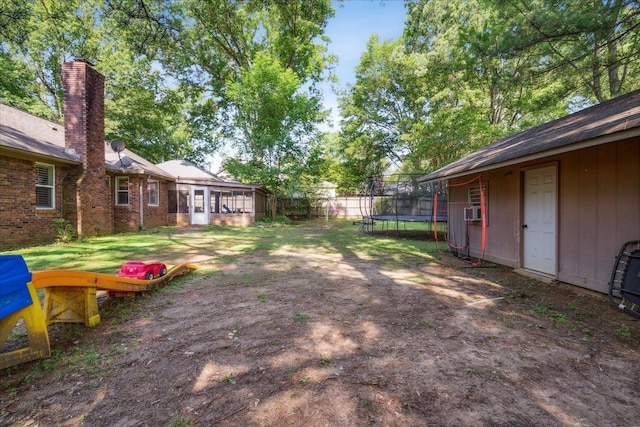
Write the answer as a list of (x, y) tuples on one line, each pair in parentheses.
[(64, 230), (266, 221)]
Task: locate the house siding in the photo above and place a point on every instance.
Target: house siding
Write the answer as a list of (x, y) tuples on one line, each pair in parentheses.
[(598, 194), (238, 219), (156, 216)]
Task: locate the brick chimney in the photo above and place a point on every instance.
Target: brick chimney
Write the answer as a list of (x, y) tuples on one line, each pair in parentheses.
[(87, 199)]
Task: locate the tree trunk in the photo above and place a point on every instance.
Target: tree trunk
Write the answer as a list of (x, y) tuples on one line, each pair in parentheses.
[(274, 206)]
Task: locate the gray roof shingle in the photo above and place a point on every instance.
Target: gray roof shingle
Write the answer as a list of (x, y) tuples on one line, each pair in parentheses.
[(569, 133), (30, 135), (25, 132)]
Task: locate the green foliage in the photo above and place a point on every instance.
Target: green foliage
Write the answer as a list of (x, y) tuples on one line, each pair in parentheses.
[(106, 254), (275, 121), (268, 221), (623, 332), (230, 378), (152, 119), (64, 230), (185, 77), (259, 63), (590, 47), (301, 317), (466, 73)]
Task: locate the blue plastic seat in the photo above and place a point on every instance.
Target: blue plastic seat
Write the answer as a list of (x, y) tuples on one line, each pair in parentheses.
[(14, 276)]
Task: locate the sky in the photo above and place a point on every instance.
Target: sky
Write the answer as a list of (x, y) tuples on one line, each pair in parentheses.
[(349, 31)]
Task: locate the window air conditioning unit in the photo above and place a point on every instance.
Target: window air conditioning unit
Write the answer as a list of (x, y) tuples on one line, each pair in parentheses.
[(474, 213)]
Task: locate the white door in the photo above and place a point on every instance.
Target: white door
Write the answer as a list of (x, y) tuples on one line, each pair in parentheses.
[(199, 206), (539, 222)]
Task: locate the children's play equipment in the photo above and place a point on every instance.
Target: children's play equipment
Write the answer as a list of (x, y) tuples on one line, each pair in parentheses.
[(18, 300), (142, 271), (396, 200), (624, 286), (70, 297)]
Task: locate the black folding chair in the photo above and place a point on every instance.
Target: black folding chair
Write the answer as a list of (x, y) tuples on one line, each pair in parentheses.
[(624, 286)]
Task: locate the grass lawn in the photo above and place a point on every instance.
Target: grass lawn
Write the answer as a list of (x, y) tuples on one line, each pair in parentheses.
[(172, 245)]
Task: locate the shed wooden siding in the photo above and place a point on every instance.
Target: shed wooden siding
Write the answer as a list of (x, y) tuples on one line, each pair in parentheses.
[(599, 192), (503, 207), (598, 210)]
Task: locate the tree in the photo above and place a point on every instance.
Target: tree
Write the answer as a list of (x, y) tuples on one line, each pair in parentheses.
[(139, 108), (403, 114), (591, 46), (274, 122), (335, 166), (48, 33), (253, 67)]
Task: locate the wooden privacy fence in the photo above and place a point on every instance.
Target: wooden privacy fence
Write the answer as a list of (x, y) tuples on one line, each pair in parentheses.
[(337, 207)]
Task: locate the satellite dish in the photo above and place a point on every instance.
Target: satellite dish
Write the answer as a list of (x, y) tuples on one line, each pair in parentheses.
[(117, 145)]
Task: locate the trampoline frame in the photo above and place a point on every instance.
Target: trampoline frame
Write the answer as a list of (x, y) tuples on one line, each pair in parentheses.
[(620, 294)]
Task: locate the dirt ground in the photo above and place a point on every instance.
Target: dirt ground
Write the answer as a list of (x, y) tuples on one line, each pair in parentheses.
[(317, 337)]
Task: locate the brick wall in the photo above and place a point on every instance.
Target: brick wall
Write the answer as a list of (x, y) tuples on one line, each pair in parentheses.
[(238, 219), (84, 132), (21, 224), (127, 218), (156, 216)]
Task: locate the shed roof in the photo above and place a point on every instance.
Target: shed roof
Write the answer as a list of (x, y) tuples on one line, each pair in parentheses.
[(608, 121)]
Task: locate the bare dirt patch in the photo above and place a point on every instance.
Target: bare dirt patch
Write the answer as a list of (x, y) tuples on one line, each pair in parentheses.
[(315, 336)]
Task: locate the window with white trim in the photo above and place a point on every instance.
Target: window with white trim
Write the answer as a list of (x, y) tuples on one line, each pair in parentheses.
[(153, 191), (45, 186), (122, 191)]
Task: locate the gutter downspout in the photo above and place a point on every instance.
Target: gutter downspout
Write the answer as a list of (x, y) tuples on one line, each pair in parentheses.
[(141, 226)]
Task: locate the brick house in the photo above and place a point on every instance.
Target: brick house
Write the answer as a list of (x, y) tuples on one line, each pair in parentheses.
[(49, 171)]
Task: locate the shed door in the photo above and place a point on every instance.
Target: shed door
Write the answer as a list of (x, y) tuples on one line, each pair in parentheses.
[(539, 222), (199, 208)]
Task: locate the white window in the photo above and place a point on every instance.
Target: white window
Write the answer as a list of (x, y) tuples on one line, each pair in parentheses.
[(45, 186), (122, 191), (153, 190)]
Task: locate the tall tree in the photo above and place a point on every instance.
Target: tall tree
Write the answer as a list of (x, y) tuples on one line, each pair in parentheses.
[(139, 108), (48, 33), (274, 122), (253, 67), (592, 46), (412, 112)]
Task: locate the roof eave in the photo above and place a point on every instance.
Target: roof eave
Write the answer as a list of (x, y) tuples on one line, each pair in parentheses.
[(16, 152), (138, 171), (605, 139)]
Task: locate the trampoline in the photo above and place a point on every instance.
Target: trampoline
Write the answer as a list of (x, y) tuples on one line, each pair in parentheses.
[(624, 286), (393, 201)]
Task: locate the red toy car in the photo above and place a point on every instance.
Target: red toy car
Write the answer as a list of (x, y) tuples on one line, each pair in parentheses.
[(142, 271)]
